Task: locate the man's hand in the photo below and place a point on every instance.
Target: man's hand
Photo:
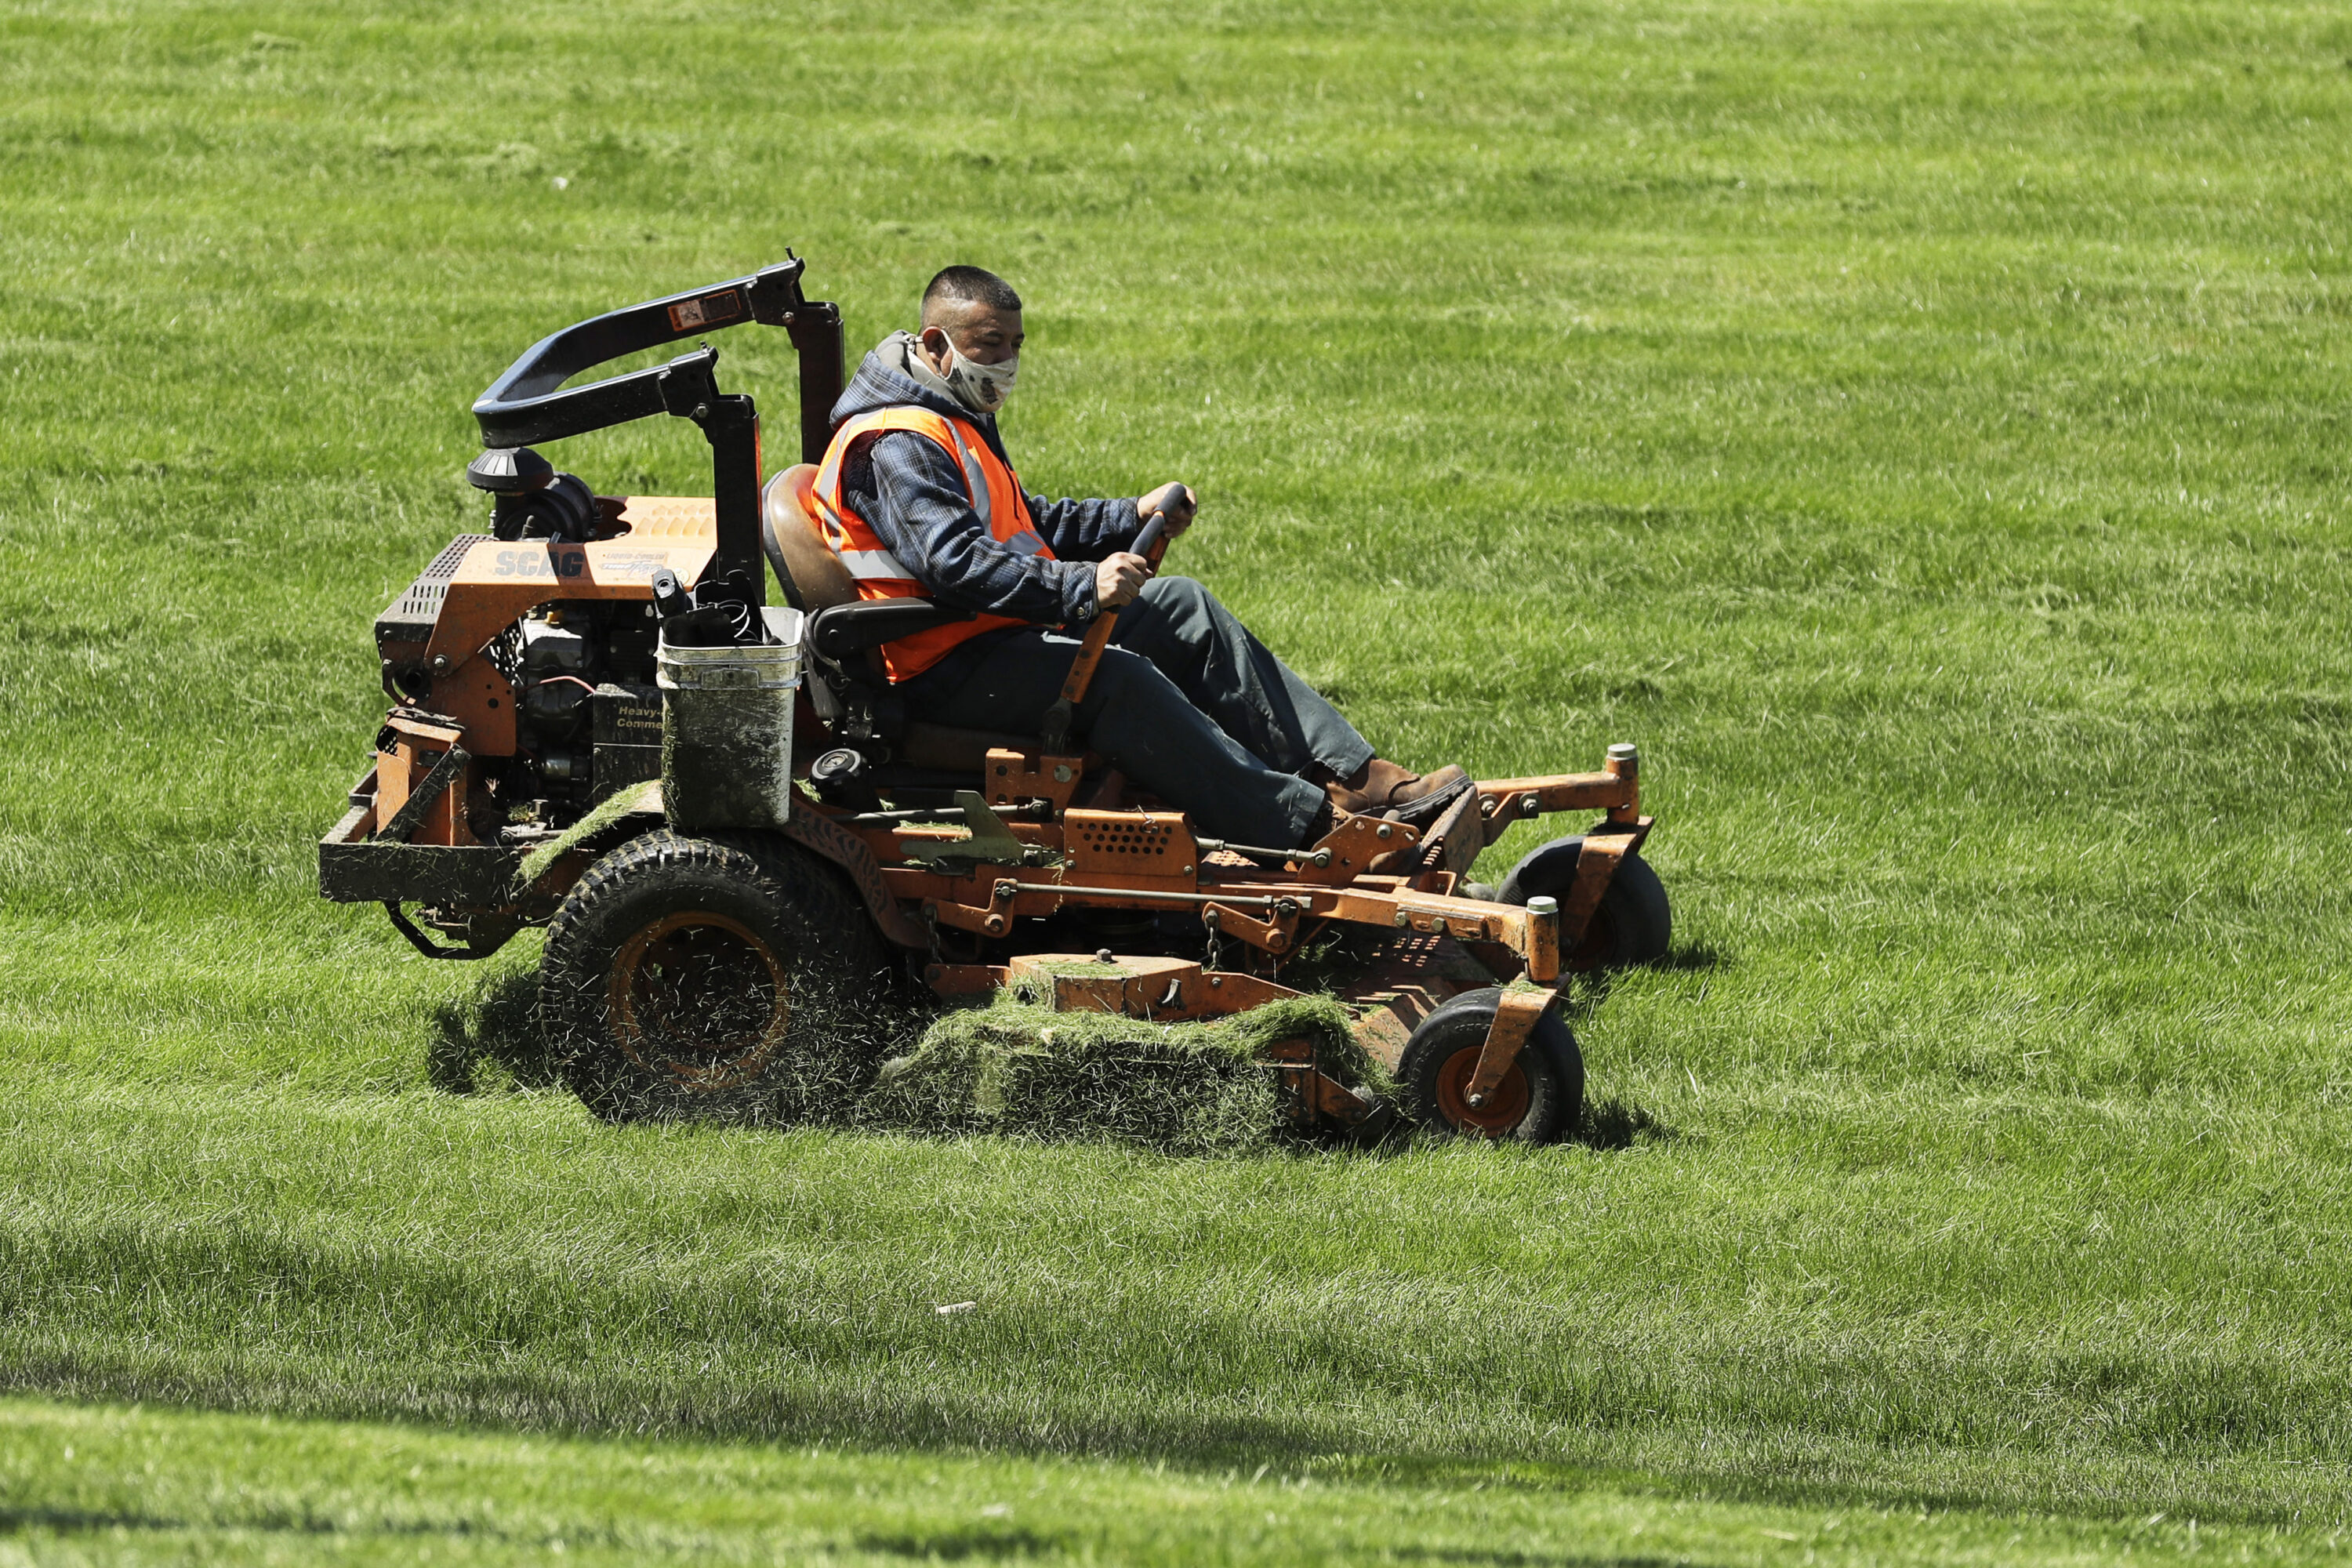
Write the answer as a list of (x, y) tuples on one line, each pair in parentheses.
[(1118, 579), (1173, 502)]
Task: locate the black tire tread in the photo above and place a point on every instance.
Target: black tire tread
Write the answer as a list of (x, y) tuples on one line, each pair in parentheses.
[(834, 928), (1633, 906)]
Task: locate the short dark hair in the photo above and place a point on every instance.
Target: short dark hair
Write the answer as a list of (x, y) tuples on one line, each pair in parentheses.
[(976, 284)]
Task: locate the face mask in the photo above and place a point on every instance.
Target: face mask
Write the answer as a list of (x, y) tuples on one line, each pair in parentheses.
[(981, 387)]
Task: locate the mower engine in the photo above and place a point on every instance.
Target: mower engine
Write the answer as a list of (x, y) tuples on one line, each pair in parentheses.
[(534, 644), (551, 691)]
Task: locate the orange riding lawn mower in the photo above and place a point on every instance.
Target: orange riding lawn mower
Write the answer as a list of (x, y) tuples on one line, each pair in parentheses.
[(737, 841)]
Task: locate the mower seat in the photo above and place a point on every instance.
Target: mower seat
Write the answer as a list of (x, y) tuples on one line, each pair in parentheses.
[(815, 581), (809, 573), (850, 689)]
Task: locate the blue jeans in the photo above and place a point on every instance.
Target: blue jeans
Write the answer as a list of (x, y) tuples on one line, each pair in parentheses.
[(1186, 703)]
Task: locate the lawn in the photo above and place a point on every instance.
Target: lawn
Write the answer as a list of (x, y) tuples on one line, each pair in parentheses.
[(1921, 426)]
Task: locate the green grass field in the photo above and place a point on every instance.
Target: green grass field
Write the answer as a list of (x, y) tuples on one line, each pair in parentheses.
[(1921, 426)]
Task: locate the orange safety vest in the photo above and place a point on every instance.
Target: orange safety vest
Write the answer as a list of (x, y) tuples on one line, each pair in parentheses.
[(995, 496)]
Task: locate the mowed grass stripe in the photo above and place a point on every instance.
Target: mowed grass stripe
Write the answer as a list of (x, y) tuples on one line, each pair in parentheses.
[(519, 1263), (151, 1485)]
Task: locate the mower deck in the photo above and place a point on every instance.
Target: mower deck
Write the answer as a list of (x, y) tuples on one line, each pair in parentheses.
[(1003, 870)]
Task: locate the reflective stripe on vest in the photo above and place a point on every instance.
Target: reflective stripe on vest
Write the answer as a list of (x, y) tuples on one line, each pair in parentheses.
[(995, 495), (875, 565)]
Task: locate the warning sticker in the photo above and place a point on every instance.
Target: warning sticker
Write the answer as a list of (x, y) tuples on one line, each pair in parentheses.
[(688, 314), (636, 565)]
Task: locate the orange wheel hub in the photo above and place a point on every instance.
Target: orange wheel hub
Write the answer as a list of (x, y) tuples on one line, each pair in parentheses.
[(699, 998), (1504, 1109)]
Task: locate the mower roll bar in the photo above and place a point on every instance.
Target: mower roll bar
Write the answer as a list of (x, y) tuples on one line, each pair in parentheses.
[(528, 403)]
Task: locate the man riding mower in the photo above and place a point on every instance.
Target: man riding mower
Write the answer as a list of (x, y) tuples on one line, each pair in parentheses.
[(918, 501), (985, 743)]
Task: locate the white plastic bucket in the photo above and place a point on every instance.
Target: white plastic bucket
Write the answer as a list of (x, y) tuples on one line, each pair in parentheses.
[(726, 730)]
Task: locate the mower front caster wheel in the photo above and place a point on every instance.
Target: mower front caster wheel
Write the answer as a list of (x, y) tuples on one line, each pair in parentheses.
[(1633, 923), (691, 976), (1541, 1098)]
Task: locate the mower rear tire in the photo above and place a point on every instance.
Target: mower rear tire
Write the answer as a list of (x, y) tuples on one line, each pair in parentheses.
[(1633, 925), (1539, 1100), (723, 975)]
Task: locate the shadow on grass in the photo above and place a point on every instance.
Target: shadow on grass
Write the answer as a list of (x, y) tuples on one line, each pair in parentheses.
[(81, 1520), (497, 1024), (276, 1521), (1504, 1558), (496, 1027), (662, 1410), (964, 1545), (1611, 1124), (1583, 993)]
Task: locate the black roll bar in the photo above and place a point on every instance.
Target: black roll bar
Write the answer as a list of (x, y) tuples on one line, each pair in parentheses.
[(528, 405)]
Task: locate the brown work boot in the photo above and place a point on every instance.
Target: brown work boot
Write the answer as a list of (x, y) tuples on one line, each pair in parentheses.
[(1423, 810), (1382, 788)]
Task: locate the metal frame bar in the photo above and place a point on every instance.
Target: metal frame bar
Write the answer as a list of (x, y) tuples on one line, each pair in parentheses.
[(528, 403)]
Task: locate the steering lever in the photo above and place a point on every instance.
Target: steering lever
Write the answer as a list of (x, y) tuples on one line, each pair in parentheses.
[(1152, 544)]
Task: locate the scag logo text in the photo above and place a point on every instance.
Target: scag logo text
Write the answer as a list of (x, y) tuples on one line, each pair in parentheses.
[(567, 562)]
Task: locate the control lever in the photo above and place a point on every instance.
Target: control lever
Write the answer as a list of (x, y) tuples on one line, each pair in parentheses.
[(1152, 544)]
